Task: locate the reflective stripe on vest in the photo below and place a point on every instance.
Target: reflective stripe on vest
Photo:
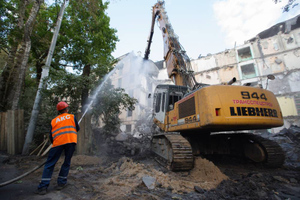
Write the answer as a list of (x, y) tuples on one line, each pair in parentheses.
[(63, 130)]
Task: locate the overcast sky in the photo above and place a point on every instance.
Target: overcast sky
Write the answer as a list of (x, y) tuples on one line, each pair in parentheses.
[(203, 26)]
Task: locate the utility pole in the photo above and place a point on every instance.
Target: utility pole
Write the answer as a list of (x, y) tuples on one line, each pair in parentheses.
[(45, 74)]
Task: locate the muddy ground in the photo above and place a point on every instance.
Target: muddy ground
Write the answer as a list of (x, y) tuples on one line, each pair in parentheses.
[(118, 177)]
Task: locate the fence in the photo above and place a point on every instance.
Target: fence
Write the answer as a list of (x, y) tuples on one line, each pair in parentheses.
[(12, 133), (84, 144)]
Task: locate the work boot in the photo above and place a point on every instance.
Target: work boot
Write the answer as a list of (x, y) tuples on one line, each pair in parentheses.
[(41, 191), (60, 186)]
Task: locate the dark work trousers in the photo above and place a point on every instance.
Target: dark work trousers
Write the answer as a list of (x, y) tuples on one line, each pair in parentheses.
[(53, 157)]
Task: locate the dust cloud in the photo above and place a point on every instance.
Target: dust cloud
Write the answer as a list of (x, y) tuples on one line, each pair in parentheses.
[(139, 78)]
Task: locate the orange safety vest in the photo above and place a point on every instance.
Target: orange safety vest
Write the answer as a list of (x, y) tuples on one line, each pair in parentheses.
[(63, 130)]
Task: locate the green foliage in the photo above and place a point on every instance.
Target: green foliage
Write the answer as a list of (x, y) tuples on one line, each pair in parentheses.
[(43, 32), (8, 21), (64, 86), (12, 21), (87, 37), (108, 105)]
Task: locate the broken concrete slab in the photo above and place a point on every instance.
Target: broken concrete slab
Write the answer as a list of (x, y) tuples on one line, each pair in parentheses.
[(149, 182)]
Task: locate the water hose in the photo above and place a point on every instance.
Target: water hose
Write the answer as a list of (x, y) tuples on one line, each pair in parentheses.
[(22, 176)]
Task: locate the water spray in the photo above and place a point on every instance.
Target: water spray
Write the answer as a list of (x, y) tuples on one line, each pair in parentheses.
[(98, 89)]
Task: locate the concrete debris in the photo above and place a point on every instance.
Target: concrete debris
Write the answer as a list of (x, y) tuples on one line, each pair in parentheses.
[(289, 140), (123, 144), (199, 190), (137, 135), (281, 179), (293, 180), (149, 182), (122, 136)]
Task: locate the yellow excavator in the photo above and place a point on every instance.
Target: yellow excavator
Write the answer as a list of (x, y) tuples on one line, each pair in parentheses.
[(193, 118)]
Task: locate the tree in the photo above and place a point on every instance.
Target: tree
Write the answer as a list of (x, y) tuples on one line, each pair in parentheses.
[(108, 105), (89, 41), (13, 74), (3, 26)]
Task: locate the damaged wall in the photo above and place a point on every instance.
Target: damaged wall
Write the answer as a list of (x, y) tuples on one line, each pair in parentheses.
[(208, 77), (228, 67), (213, 69), (207, 63), (292, 58)]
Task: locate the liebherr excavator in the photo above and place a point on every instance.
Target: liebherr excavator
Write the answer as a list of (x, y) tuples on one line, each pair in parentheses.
[(200, 119)]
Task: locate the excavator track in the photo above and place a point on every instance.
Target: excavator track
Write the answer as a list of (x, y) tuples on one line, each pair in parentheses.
[(256, 148), (272, 154), (174, 151)]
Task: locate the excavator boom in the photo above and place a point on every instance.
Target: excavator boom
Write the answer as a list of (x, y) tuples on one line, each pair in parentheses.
[(178, 63)]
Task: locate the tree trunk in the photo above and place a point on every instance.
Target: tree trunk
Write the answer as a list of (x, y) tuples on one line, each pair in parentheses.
[(5, 77), (39, 64), (12, 77), (85, 91), (19, 70)]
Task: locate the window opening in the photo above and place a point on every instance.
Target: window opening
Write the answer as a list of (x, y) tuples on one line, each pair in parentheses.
[(128, 128), (129, 113), (248, 71), (244, 54), (174, 97)]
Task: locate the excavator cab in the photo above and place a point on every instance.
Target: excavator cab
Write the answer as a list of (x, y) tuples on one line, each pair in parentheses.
[(165, 97)]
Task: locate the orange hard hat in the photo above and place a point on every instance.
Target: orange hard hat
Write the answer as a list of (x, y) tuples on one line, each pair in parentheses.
[(61, 105)]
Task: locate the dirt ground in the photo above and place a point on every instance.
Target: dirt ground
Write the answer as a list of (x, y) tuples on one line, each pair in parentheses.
[(116, 177)]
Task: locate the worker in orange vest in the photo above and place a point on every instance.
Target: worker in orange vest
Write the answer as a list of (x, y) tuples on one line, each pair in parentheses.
[(63, 137)]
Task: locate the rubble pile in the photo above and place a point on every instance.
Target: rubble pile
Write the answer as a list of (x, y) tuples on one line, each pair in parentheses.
[(123, 144), (289, 140), (256, 185), (126, 176)]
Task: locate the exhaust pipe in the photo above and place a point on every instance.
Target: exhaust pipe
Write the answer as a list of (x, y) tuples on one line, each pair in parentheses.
[(231, 81)]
